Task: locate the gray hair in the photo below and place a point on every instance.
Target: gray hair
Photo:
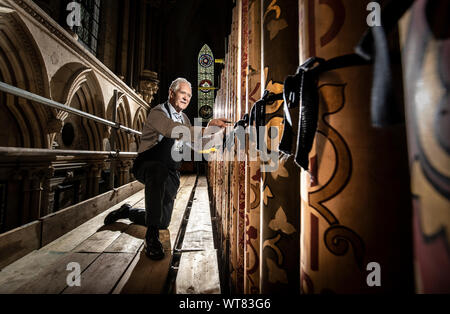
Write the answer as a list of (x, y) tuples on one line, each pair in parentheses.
[(175, 86)]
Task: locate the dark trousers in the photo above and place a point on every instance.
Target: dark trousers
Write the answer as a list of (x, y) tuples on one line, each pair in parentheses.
[(161, 187)]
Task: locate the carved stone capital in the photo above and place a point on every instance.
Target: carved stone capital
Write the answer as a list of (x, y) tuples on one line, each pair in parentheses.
[(54, 125), (126, 164), (148, 85)]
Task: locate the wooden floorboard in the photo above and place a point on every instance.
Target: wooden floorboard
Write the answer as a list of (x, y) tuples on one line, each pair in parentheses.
[(57, 224), (102, 239), (19, 242), (112, 259), (130, 241), (26, 270), (199, 233), (71, 240), (54, 279), (145, 276), (180, 205), (198, 273), (102, 275)]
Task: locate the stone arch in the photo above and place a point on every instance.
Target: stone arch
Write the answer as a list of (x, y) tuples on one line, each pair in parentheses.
[(124, 118), (24, 123), (76, 86), (138, 124)]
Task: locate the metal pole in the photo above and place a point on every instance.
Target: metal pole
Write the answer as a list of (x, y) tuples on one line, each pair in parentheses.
[(18, 152), (48, 102)]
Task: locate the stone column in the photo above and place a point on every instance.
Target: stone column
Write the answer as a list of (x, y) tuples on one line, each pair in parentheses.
[(32, 187), (47, 193), (124, 176), (94, 176)]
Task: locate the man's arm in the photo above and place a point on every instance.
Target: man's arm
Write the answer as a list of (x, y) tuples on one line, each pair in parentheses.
[(166, 126)]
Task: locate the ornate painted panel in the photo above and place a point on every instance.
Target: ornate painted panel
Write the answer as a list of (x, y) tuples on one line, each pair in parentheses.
[(355, 198), (280, 189), (253, 173), (426, 57)]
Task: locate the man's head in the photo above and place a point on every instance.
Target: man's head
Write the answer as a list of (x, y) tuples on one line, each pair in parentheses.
[(180, 94)]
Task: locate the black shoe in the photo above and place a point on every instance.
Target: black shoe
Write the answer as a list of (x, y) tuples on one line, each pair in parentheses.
[(121, 213), (154, 249)]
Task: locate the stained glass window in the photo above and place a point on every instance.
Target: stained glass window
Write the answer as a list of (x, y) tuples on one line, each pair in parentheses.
[(206, 89)]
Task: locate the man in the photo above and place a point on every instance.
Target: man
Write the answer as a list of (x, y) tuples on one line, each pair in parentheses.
[(156, 168)]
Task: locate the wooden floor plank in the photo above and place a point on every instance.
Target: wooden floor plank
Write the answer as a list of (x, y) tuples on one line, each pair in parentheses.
[(112, 257), (180, 205), (102, 275), (57, 224), (198, 273), (71, 240), (130, 241), (199, 233), (19, 242), (54, 279), (26, 269), (145, 276), (102, 239), (183, 180)]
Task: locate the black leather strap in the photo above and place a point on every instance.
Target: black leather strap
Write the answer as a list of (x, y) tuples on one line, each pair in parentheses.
[(166, 105), (258, 113), (374, 47)]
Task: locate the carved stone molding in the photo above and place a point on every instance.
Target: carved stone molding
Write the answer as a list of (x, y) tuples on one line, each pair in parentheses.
[(38, 14)]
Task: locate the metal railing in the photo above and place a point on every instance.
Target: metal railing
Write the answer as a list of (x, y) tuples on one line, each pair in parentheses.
[(15, 151), (51, 103), (19, 152)]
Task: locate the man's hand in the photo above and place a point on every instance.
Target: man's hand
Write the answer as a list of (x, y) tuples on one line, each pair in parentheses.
[(221, 123)]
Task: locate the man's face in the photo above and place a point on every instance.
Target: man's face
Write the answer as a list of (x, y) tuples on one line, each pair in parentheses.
[(181, 99)]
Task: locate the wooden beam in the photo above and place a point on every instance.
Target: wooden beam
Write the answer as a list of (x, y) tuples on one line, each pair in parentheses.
[(199, 229), (74, 238), (26, 270), (181, 202), (102, 275), (130, 241), (198, 273), (145, 276), (54, 279), (58, 224), (19, 242)]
